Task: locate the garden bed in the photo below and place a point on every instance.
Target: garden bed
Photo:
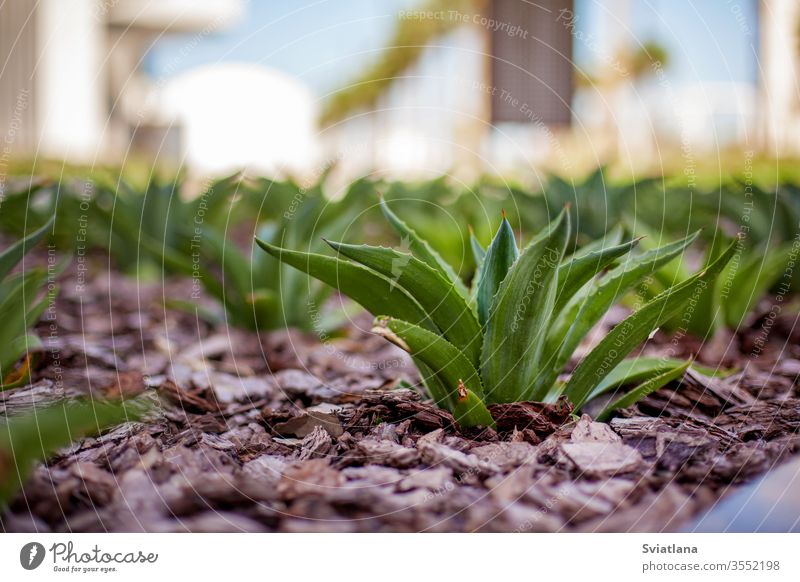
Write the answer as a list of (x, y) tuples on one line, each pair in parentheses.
[(290, 432)]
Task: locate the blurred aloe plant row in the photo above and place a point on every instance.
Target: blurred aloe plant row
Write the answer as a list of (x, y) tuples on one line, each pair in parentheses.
[(154, 229), (31, 437), (211, 240), (509, 337)]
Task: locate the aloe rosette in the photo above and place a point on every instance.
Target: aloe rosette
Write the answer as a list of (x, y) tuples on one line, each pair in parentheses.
[(509, 337)]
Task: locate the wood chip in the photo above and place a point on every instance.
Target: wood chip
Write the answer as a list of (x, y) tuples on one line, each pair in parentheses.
[(599, 459)]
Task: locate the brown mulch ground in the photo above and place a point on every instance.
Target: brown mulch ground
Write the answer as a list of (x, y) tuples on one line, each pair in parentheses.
[(283, 432)]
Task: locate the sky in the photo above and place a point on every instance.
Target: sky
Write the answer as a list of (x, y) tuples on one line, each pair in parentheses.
[(709, 40), (326, 42), (322, 42)]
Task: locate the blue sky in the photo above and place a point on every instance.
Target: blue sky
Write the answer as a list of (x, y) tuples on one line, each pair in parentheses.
[(709, 40), (706, 40), (325, 42)]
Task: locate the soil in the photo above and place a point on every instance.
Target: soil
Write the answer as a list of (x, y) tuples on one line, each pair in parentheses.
[(292, 432)]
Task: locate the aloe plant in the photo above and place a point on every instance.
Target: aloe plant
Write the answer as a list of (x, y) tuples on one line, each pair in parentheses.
[(21, 306), (597, 200), (510, 336), (31, 203), (141, 225), (31, 437), (157, 231), (254, 290)]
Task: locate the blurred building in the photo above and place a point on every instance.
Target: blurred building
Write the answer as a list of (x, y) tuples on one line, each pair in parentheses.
[(779, 91), (499, 94), (71, 84), (504, 66), (497, 91), (239, 116)]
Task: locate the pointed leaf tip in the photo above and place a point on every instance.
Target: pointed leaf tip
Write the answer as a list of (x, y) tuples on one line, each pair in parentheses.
[(500, 256)]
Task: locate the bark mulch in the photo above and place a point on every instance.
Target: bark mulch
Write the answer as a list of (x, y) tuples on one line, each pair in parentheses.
[(285, 432)]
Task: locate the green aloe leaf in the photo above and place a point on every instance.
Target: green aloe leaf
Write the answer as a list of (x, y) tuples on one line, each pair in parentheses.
[(478, 252), (589, 306), (18, 299), (264, 309), (708, 315), (671, 272), (443, 358), (169, 258), (32, 437), (469, 410), (647, 387), (217, 198), (519, 316), (500, 256), (435, 294), (13, 254), (639, 369), (423, 251), (612, 238), (634, 370), (372, 291), (36, 311), (574, 273), (212, 248), (236, 272), (637, 327), (437, 389), (757, 273)]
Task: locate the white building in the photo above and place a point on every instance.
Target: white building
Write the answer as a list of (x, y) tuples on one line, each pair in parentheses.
[(71, 85), (239, 116), (779, 99)]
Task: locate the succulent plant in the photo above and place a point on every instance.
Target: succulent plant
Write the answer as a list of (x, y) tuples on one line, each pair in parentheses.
[(159, 230), (510, 336)]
